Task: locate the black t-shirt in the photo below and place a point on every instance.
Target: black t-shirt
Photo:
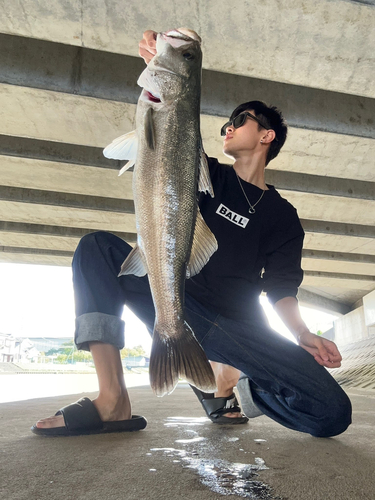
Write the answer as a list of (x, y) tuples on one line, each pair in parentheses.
[(260, 251)]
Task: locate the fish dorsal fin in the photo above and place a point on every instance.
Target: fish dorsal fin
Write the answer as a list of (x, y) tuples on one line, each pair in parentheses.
[(204, 245), (134, 263), (204, 181), (124, 147), (149, 129)]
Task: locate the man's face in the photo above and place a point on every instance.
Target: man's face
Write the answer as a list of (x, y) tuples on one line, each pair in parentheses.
[(242, 139)]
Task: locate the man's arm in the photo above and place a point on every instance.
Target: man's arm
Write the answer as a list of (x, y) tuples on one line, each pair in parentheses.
[(324, 351)]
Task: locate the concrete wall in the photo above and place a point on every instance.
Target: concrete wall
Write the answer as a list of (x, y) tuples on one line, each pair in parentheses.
[(358, 324), (369, 309)]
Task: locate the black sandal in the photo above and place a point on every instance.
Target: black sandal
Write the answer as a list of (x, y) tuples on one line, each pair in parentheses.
[(216, 408)]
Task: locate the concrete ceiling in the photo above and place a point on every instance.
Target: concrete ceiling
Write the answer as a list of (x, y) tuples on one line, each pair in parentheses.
[(68, 74)]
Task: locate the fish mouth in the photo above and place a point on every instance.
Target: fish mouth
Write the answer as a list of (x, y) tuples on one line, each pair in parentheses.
[(149, 97), (175, 34), (179, 38), (182, 34)]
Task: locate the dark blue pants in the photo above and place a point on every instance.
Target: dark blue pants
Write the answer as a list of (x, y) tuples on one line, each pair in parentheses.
[(287, 384)]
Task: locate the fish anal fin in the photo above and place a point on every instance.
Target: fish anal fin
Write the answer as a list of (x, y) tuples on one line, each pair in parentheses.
[(204, 180), (204, 245), (124, 147), (176, 355), (133, 264), (149, 128)]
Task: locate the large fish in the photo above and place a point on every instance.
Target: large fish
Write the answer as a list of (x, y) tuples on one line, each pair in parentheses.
[(173, 241)]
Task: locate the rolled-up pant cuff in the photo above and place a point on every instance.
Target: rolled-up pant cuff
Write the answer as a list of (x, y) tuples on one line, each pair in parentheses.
[(99, 327)]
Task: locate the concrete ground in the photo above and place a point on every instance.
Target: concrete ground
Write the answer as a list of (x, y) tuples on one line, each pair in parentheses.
[(181, 454)]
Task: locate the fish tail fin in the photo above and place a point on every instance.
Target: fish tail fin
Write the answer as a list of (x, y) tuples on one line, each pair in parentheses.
[(180, 356)]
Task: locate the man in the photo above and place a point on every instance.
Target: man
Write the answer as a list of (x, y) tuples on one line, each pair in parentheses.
[(260, 241)]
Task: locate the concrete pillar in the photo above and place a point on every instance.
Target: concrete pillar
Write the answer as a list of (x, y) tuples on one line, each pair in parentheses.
[(357, 325)]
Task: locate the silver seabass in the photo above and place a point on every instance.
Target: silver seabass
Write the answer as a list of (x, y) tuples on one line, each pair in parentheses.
[(173, 241)]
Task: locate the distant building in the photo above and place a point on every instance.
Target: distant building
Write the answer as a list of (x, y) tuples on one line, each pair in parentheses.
[(44, 344), (17, 350), (133, 361), (25, 350)]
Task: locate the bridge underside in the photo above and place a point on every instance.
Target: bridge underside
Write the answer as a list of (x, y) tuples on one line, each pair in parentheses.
[(68, 87)]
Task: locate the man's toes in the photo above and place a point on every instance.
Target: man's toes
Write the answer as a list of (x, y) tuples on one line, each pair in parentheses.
[(50, 422), (233, 415)]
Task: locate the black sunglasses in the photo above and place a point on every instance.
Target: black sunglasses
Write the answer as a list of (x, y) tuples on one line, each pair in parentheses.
[(238, 121)]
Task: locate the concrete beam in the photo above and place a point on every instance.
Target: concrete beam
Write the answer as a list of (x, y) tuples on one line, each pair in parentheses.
[(321, 303), (48, 175), (60, 231), (41, 260), (34, 213), (331, 208), (65, 178), (65, 233), (95, 122), (337, 256), (36, 251), (338, 228), (71, 200), (306, 205), (77, 70), (314, 44), (340, 276), (25, 147), (331, 186), (338, 266), (54, 116)]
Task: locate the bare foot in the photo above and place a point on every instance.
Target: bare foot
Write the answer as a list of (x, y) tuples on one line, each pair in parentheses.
[(226, 394), (109, 410)]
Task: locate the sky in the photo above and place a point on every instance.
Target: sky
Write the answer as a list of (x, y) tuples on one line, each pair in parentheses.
[(37, 301)]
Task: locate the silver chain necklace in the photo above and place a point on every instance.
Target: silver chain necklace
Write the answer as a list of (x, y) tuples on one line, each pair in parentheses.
[(251, 207)]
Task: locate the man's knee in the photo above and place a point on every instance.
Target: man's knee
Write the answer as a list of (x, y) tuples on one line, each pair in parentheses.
[(337, 418), (96, 238)]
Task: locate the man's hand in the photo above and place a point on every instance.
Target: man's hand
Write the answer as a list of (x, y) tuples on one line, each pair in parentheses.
[(324, 351), (147, 46)]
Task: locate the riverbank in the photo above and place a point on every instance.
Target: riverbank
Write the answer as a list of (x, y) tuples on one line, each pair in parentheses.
[(30, 385)]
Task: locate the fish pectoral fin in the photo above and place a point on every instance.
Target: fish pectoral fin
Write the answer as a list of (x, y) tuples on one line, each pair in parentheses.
[(149, 129), (176, 354), (133, 264), (204, 245), (204, 181), (124, 147), (126, 167)]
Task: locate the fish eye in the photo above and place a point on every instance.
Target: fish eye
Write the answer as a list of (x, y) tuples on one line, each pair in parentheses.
[(188, 56)]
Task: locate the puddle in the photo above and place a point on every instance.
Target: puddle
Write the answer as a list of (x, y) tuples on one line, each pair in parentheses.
[(192, 440), (183, 421), (226, 478)]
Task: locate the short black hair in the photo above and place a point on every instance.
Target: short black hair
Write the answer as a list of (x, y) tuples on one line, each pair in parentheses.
[(272, 118)]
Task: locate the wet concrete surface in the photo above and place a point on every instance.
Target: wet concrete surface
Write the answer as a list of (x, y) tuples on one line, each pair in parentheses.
[(182, 455)]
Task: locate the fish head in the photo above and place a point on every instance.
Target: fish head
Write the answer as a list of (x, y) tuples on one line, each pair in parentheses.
[(175, 70)]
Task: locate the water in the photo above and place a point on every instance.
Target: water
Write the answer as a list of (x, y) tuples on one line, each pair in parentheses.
[(223, 477), (19, 387)]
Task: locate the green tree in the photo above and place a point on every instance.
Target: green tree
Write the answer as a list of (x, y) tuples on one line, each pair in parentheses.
[(134, 352), (61, 359)]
